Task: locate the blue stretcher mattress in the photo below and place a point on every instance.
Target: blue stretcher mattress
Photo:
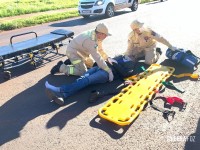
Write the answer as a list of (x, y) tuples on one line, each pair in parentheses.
[(39, 42)]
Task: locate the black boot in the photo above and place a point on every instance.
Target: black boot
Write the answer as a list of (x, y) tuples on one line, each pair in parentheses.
[(56, 68), (53, 96), (67, 62), (95, 95), (158, 50)]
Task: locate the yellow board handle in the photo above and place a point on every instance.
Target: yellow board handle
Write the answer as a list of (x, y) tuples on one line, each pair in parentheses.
[(193, 76)]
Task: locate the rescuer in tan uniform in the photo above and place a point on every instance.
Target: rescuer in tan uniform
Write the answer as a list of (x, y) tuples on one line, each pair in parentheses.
[(85, 49), (89, 61), (142, 43)]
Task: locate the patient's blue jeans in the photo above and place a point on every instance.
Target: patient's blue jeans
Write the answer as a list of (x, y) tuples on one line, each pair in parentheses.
[(92, 76)]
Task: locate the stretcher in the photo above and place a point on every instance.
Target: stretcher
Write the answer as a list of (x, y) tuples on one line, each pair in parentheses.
[(33, 50), (125, 107)]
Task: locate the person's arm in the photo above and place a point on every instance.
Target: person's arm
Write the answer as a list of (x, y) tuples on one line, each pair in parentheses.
[(160, 38), (101, 51), (99, 60), (130, 47), (92, 48), (89, 62)]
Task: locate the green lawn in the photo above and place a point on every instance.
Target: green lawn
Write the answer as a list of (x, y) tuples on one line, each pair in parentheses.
[(20, 23), (18, 7)]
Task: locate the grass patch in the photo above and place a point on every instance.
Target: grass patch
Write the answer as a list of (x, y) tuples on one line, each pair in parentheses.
[(31, 6), (147, 1), (19, 23), (19, 7)]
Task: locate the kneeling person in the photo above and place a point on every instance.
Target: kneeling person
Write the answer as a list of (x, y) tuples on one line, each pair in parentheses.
[(142, 42), (83, 50)]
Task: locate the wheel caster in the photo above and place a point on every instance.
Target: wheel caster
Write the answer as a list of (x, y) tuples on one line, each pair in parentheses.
[(34, 64), (7, 75)]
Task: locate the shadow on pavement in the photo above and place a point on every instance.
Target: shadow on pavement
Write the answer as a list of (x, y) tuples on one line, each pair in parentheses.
[(79, 103), (115, 131), (179, 69), (155, 2), (82, 21), (193, 141), (32, 102), (22, 108)]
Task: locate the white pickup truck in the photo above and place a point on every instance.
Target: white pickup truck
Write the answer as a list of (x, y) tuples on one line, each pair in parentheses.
[(86, 8)]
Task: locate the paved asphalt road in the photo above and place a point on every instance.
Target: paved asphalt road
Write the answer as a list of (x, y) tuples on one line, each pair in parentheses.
[(28, 121)]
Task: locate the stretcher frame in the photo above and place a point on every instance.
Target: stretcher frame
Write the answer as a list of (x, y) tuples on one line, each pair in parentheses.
[(33, 50)]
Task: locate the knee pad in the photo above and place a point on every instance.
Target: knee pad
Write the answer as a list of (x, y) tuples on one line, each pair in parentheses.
[(63, 69)]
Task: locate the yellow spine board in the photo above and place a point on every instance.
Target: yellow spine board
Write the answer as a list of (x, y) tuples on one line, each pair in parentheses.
[(123, 108)]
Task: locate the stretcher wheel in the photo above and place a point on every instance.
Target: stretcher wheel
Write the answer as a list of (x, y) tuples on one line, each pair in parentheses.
[(7, 75), (34, 64)]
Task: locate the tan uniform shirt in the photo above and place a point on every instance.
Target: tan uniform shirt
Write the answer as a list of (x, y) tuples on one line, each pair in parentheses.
[(89, 61), (86, 45), (144, 42)]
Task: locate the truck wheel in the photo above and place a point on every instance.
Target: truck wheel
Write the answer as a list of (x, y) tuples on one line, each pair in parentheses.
[(110, 11), (134, 6), (86, 16)]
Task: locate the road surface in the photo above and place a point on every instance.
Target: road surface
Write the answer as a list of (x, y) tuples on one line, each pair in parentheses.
[(28, 121)]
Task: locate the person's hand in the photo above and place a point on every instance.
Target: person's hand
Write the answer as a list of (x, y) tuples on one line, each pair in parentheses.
[(111, 61), (126, 58), (173, 48), (128, 82), (111, 77)]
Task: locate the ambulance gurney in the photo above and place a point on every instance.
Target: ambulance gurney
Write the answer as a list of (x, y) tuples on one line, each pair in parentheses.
[(33, 50)]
